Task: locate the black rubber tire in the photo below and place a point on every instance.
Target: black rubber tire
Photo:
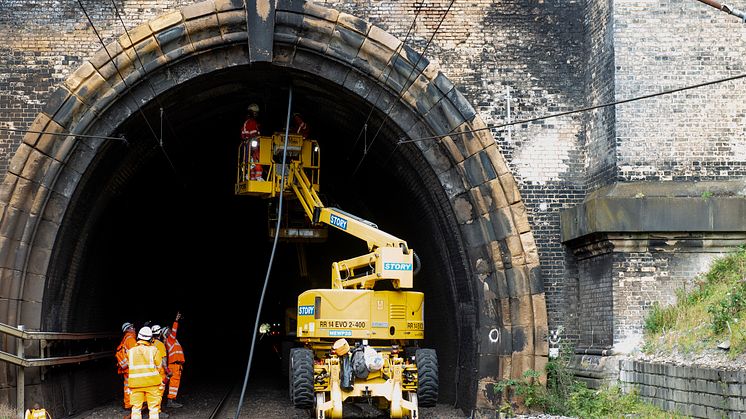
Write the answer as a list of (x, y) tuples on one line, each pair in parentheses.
[(427, 377), (301, 378)]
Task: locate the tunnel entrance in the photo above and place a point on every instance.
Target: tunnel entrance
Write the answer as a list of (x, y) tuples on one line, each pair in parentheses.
[(97, 232), (167, 234)]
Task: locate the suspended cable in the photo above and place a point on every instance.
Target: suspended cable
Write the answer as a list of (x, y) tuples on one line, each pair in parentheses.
[(111, 59), (147, 79), (409, 81), (586, 109), (63, 134), (283, 177), (390, 70)]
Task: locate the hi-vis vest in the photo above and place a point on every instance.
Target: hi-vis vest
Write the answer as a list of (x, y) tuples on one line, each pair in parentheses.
[(175, 351), (144, 361), (36, 414)]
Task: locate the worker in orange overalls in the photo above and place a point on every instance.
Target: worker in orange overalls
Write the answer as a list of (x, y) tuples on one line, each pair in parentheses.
[(128, 342), (145, 380), (250, 144), (175, 361)]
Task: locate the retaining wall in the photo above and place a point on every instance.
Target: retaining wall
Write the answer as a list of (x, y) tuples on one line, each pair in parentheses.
[(692, 391)]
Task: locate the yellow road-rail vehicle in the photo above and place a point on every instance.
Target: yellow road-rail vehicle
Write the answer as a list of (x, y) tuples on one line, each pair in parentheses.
[(355, 343)]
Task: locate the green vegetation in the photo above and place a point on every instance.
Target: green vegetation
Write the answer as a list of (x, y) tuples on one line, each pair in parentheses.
[(564, 395), (714, 311)]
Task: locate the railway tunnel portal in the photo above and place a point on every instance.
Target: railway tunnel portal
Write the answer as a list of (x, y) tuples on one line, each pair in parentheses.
[(96, 232)]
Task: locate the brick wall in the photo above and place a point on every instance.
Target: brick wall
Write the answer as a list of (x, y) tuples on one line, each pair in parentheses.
[(600, 135), (693, 135), (43, 42), (535, 49), (553, 56), (595, 288)]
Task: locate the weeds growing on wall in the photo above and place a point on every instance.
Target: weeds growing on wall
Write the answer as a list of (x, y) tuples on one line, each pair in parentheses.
[(564, 395), (712, 312)]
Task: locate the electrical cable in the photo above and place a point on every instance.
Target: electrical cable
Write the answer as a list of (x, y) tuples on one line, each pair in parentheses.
[(63, 134), (406, 86), (390, 70), (586, 109), (283, 176), (147, 79), (129, 89)]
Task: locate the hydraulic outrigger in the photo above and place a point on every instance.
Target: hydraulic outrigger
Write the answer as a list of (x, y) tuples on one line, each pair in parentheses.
[(357, 343)]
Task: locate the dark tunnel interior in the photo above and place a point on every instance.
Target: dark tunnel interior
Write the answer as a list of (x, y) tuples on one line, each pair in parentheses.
[(152, 231)]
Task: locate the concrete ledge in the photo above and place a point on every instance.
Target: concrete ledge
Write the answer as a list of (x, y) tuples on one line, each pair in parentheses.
[(658, 207)]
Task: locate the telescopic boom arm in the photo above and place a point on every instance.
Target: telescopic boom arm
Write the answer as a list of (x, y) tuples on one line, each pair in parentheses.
[(389, 257)]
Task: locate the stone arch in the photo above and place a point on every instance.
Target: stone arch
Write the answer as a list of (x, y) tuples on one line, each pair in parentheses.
[(502, 311)]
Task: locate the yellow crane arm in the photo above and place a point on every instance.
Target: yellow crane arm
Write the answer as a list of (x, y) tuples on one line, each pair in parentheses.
[(389, 257)]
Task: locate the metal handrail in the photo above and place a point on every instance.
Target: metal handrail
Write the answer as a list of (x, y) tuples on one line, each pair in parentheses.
[(22, 334), (22, 362), (57, 360)]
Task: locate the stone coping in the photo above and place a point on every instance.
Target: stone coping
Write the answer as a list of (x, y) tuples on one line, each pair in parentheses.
[(647, 207)]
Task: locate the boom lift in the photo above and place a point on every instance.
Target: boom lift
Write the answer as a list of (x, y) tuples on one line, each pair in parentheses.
[(358, 342)]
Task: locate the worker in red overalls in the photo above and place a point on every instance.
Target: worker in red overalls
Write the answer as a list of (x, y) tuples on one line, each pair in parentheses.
[(128, 342), (175, 361), (299, 125), (250, 145)]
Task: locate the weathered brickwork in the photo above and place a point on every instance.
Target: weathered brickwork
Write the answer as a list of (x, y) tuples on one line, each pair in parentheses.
[(43, 42), (600, 134), (532, 55), (535, 50), (622, 276), (694, 135), (538, 57), (596, 301)]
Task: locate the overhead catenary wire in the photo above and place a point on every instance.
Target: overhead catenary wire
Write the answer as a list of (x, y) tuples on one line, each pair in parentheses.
[(111, 59), (63, 134), (364, 129), (147, 79), (406, 86), (575, 111), (283, 177)]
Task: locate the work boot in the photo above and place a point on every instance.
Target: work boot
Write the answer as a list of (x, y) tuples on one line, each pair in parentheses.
[(173, 405)]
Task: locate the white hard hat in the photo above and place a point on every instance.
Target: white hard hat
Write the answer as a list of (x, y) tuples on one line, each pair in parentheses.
[(127, 325), (156, 329), (253, 107), (145, 333)]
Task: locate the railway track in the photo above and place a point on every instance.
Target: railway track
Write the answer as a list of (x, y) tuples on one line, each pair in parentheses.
[(222, 409)]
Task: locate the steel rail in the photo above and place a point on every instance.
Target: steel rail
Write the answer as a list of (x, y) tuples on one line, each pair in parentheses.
[(219, 407)]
